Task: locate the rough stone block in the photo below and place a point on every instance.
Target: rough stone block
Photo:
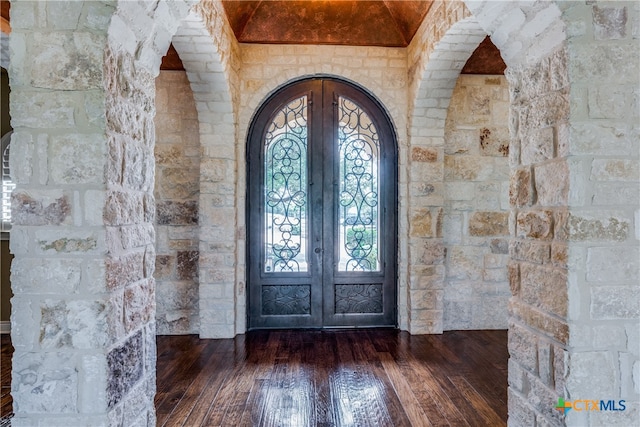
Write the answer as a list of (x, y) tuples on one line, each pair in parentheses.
[(76, 324), (548, 325), (615, 302), (552, 183), (457, 315), (429, 252), (178, 183), (177, 213), (609, 23), (125, 269), (216, 170), (92, 397), (165, 265), (77, 158), (520, 413), (467, 168), (138, 167), (187, 265), (602, 225), (490, 313), (489, 224), (538, 253), (535, 224), (51, 207), (615, 170), (42, 109), (459, 190), (419, 154), (592, 370), (45, 276), (538, 146), (125, 364), (613, 264), (522, 345), (44, 383), (421, 223), (124, 208), (137, 235), (499, 246), (70, 241), (494, 141), (616, 194), (559, 255), (609, 337), (606, 102), (544, 288), (520, 189), (465, 262), (139, 304), (67, 61), (513, 273)]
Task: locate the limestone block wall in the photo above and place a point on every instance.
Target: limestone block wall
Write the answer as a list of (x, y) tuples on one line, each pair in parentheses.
[(381, 71), (602, 225), (476, 205), (177, 190)]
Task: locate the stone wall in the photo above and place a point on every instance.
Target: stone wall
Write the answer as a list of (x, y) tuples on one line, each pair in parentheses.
[(602, 225), (177, 189), (476, 205)]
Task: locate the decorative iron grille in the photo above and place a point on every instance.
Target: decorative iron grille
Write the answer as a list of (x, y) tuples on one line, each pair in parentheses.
[(285, 200), (359, 187)]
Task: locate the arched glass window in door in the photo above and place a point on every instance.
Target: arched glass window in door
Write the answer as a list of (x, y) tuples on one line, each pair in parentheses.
[(7, 183), (321, 238)]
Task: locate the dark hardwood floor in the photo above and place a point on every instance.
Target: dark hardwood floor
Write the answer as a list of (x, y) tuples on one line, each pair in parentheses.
[(368, 377), (334, 378), (6, 351)]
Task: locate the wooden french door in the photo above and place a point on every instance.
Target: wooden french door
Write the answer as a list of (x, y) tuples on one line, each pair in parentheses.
[(321, 209)]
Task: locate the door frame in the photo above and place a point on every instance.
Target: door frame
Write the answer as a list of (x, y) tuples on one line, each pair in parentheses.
[(379, 114)]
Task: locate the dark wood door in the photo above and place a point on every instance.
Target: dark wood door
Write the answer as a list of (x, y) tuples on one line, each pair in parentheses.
[(321, 209)]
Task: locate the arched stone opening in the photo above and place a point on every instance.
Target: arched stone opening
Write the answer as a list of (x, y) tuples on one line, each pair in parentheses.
[(549, 338), (199, 265)]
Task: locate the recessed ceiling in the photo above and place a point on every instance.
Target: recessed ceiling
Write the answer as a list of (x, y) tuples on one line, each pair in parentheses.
[(388, 23)]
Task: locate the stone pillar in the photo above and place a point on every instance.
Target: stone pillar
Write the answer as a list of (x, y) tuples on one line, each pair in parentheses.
[(82, 319), (539, 191)]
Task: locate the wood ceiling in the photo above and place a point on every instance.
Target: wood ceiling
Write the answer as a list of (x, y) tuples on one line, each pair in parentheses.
[(337, 22), (390, 23)]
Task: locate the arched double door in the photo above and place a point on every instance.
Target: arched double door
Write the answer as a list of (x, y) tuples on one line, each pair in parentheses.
[(321, 209)]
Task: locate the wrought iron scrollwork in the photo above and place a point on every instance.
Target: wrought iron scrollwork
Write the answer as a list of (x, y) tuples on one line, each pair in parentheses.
[(285, 189), (286, 299), (359, 183), (365, 298)]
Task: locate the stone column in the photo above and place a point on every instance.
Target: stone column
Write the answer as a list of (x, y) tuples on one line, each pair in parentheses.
[(539, 190), (82, 320)]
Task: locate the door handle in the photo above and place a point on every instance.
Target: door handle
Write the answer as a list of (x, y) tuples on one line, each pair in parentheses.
[(317, 250)]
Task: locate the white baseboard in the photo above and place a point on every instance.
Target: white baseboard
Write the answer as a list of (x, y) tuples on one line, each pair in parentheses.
[(5, 327)]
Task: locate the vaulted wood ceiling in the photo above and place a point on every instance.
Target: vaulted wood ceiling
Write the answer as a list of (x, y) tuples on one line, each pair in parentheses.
[(342, 22), (391, 23)]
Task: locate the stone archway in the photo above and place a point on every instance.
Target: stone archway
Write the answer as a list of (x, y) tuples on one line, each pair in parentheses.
[(85, 298), (433, 90)]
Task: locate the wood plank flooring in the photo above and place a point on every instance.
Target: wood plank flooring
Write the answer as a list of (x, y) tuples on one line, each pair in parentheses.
[(364, 377), (6, 352)]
